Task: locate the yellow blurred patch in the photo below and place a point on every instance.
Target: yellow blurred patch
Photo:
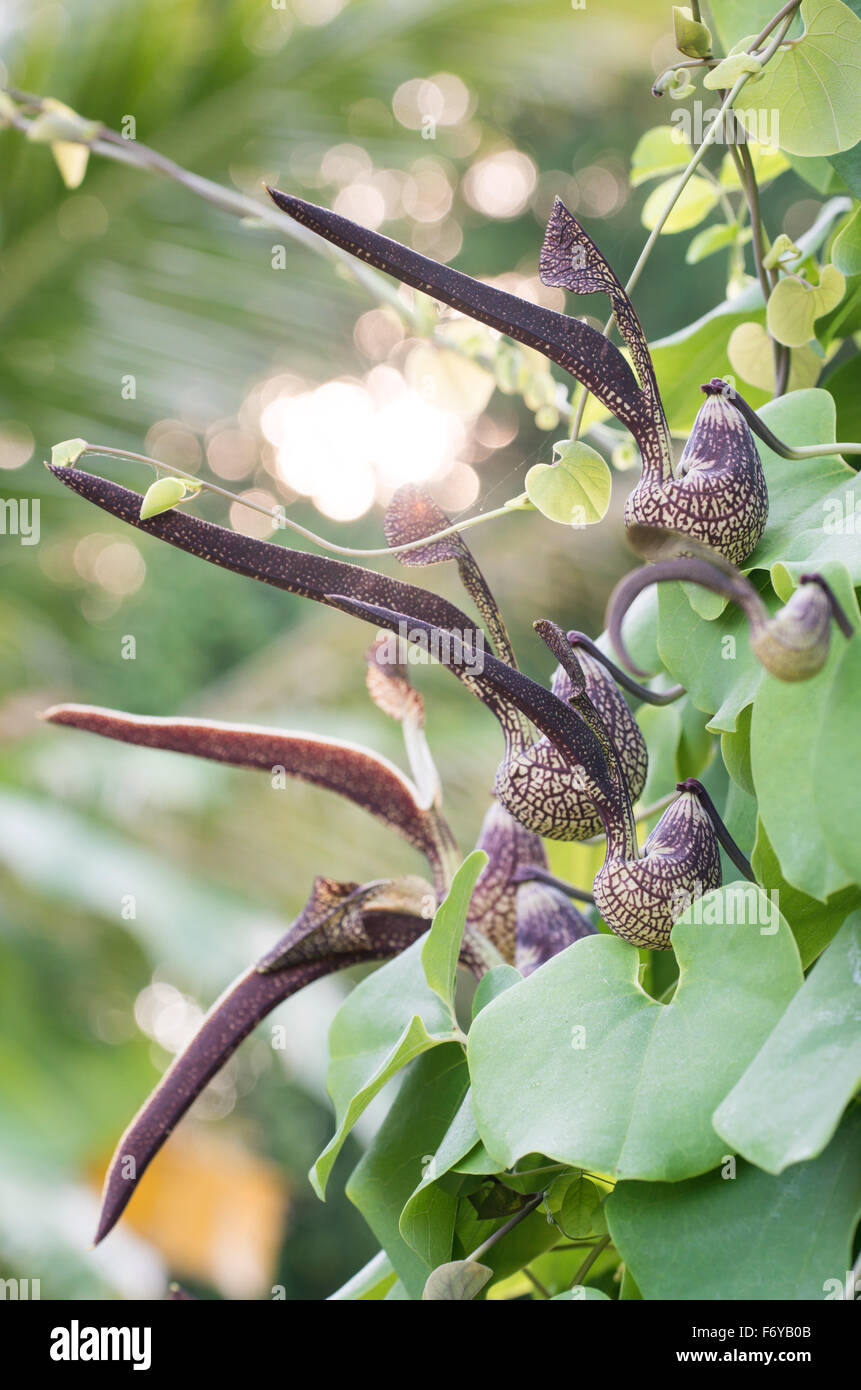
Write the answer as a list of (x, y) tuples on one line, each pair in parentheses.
[(215, 1211)]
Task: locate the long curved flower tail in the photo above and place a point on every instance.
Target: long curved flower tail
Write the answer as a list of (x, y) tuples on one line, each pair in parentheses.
[(296, 571), (230, 1020), (570, 259), (356, 773), (573, 345), (510, 689), (411, 514)]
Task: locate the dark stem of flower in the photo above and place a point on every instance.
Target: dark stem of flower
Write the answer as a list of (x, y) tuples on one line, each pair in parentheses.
[(651, 697), (699, 571), (760, 429), (533, 873), (728, 843), (837, 612)]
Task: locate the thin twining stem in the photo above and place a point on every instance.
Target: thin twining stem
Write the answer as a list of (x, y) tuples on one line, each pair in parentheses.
[(533, 873), (767, 278), (728, 844), (509, 1226), (281, 519), (777, 446), (690, 170), (110, 144), (589, 1261), (652, 697)]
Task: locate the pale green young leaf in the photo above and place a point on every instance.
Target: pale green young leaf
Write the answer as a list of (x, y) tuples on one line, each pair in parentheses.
[(575, 490), (693, 204)]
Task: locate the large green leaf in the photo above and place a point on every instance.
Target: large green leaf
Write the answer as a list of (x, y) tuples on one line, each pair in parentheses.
[(390, 1018), (836, 753), (811, 86), (790, 779), (788, 1103), (608, 1079), (813, 923), (431, 1094), (751, 1235)]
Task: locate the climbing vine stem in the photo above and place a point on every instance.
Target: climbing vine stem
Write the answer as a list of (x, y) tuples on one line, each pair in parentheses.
[(787, 14)]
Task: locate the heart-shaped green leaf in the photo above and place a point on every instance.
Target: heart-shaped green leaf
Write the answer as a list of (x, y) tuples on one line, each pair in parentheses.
[(68, 453), (712, 239), (575, 491), (751, 357), (610, 1080), (659, 152), (574, 1202), (740, 1233), (794, 306), (812, 86), (457, 1282), (163, 494), (691, 35), (727, 73), (788, 1103)]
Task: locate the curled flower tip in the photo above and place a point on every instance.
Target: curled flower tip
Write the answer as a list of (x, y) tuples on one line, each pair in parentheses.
[(714, 574), (553, 637), (718, 387), (742, 863), (794, 644), (838, 613), (652, 697)]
